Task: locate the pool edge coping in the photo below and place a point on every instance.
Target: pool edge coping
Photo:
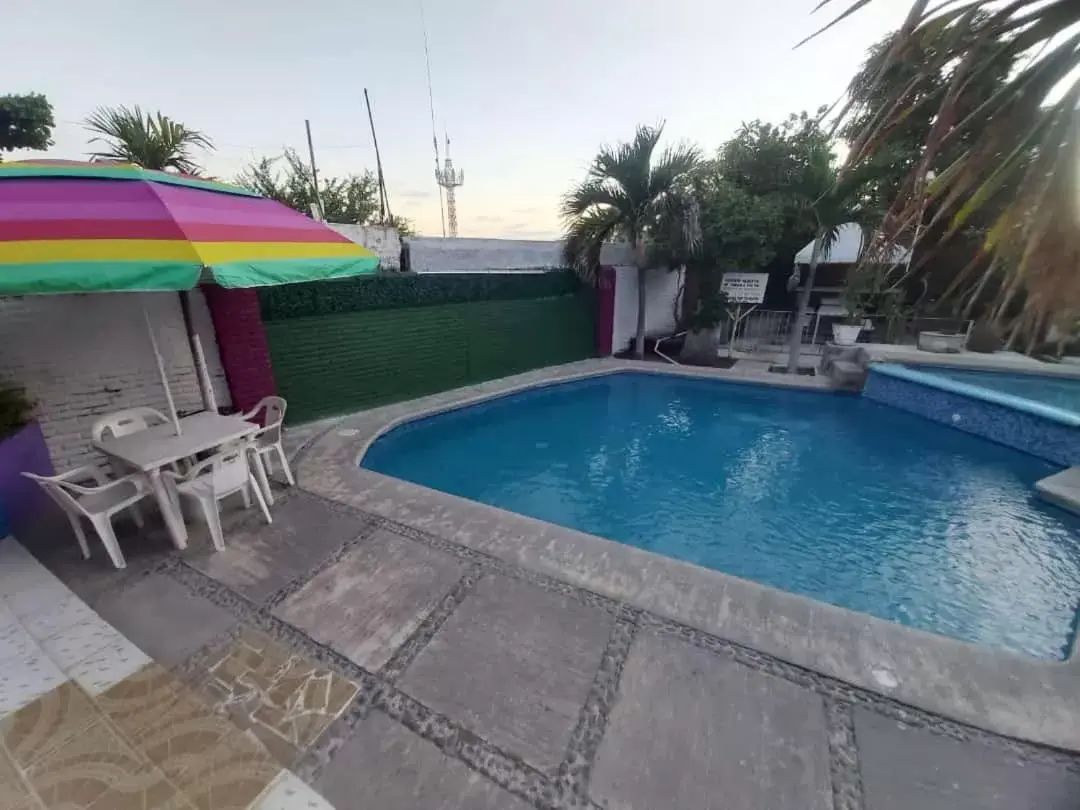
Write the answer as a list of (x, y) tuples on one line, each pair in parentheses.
[(1005, 693)]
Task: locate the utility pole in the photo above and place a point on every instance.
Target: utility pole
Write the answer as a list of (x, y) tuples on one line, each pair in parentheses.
[(384, 200), (314, 172), (450, 178)]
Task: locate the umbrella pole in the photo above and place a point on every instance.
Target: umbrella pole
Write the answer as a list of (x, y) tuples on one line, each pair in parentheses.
[(206, 385), (161, 372)]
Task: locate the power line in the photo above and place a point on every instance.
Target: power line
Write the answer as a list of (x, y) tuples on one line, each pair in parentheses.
[(431, 106)]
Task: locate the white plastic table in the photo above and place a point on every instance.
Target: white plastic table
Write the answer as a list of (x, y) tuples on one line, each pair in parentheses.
[(154, 448)]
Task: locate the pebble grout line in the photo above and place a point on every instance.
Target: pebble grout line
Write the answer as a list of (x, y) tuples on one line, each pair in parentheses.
[(298, 582), (572, 778), (844, 771), (404, 655)]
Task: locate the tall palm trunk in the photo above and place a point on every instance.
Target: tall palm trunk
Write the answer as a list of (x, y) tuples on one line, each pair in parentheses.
[(795, 341), (639, 335)]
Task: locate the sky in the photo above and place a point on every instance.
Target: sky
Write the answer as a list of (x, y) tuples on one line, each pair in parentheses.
[(526, 89)]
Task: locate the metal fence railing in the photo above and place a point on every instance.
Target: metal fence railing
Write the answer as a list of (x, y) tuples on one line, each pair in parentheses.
[(767, 332)]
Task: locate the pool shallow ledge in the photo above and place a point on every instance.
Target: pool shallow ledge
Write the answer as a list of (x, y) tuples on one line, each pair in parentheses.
[(998, 691)]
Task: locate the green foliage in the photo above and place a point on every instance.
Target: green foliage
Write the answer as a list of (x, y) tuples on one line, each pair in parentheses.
[(409, 291), (1019, 149), (150, 140), (15, 409), (902, 145), (789, 165), (26, 122), (287, 179), (739, 231)]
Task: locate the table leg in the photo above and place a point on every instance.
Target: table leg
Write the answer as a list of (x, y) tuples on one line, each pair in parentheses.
[(173, 522)]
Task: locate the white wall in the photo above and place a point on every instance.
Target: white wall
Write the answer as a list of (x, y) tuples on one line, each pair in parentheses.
[(439, 255), (80, 356), (383, 242), (661, 288)]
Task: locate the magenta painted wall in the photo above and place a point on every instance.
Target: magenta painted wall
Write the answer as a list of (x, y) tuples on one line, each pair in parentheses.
[(241, 340)]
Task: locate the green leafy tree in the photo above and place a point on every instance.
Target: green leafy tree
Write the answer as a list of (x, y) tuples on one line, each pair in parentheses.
[(1023, 143), (26, 122), (287, 179), (632, 194), (778, 163), (739, 232), (150, 140)]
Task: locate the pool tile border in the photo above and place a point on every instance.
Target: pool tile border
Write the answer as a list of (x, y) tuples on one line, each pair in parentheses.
[(1003, 693)]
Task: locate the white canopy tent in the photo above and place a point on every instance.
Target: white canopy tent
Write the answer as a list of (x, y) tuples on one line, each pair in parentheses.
[(848, 247)]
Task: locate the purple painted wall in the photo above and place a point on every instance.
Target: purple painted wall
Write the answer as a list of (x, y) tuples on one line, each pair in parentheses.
[(21, 500)]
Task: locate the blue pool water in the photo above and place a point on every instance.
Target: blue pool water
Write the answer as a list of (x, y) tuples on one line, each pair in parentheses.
[(835, 497), (1057, 391)]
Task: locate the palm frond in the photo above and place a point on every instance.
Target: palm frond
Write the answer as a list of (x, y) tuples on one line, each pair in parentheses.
[(585, 238), (153, 141), (1015, 150)]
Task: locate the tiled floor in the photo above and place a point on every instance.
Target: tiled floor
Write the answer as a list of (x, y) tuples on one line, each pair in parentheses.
[(89, 722)]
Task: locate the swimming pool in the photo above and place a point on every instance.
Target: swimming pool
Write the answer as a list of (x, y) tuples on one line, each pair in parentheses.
[(830, 496), (1058, 392)]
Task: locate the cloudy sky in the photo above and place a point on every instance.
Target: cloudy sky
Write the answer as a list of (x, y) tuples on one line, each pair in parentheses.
[(526, 89)]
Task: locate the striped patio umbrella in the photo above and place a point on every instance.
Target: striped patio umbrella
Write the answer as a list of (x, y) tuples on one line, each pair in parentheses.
[(70, 227), (75, 227)]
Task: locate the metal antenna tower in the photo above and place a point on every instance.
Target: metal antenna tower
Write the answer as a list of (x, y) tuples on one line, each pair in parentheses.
[(450, 178)]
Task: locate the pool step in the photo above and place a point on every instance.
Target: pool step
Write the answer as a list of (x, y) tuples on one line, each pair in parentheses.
[(1062, 488)]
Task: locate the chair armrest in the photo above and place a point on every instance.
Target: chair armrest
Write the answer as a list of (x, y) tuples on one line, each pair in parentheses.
[(137, 481), (87, 472)]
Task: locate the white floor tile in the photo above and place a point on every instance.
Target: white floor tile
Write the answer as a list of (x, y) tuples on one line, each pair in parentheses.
[(108, 666), (15, 642), (52, 617), (35, 591), (22, 680), (289, 792), (79, 641)]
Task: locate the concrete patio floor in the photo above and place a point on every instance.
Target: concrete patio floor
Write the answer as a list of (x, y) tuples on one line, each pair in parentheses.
[(445, 678)]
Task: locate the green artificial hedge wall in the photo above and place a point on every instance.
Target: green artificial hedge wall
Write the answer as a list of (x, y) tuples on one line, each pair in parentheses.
[(338, 347), (399, 291)]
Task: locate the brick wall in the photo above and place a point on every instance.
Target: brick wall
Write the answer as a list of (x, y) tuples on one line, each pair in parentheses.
[(241, 338), (80, 356)]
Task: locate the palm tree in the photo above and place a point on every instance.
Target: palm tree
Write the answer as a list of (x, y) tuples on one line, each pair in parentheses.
[(630, 195), (836, 199), (1022, 145), (153, 141)]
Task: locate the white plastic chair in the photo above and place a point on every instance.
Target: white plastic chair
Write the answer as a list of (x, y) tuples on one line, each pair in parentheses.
[(268, 441), (224, 474), (123, 423), (96, 503)]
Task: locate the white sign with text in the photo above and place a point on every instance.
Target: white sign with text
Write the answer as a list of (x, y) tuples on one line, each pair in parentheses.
[(744, 288)]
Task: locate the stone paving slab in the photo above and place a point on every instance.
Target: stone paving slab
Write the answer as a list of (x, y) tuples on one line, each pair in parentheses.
[(259, 560), (385, 766), (906, 768), (513, 663), (697, 730), (166, 620), (366, 604)]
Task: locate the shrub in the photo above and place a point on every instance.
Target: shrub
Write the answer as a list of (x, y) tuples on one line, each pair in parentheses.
[(15, 409)]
